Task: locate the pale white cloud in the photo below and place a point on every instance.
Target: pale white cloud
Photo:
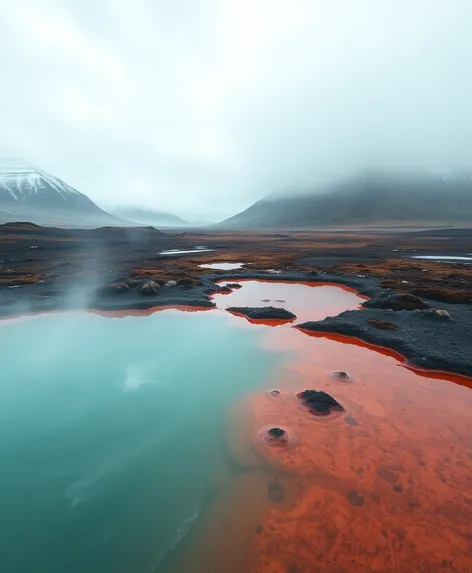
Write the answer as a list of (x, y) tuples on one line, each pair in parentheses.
[(202, 106)]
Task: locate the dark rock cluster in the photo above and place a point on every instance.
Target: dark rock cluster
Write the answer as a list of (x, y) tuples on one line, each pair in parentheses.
[(396, 301)]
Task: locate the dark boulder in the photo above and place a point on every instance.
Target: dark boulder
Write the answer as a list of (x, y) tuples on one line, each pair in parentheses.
[(148, 288), (135, 282), (263, 313), (396, 301), (234, 285), (319, 403), (341, 375), (276, 433), (435, 313)]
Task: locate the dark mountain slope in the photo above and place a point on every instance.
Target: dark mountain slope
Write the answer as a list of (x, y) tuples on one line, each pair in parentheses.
[(28, 193), (370, 198)]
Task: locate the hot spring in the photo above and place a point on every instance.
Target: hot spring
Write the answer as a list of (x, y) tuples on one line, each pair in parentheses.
[(133, 444)]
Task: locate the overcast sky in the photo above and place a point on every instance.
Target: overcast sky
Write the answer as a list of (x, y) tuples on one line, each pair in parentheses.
[(200, 107)]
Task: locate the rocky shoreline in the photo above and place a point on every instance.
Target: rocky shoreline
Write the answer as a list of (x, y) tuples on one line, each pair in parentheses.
[(119, 270), (427, 339)]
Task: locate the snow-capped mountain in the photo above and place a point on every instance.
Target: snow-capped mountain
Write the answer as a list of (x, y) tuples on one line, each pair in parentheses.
[(27, 193)]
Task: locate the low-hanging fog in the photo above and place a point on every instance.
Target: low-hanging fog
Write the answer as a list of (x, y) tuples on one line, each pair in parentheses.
[(202, 107)]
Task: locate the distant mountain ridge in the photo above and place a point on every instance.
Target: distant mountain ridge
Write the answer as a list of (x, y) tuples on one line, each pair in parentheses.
[(369, 198), (147, 216), (27, 193)]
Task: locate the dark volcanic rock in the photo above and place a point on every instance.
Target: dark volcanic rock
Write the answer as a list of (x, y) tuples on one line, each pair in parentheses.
[(435, 313), (425, 339), (263, 313), (276, 432), (396, 302), (234, 285), (149, 287), (341, 375), (319, 403)]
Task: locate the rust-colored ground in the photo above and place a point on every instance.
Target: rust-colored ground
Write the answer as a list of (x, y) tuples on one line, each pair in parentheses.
[(385, 486)]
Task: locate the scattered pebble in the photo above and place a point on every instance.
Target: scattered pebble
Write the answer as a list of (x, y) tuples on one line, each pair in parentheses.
[(341, 375)]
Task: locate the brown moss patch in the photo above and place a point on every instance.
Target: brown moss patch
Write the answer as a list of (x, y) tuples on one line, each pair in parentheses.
[(446, 282), (383, 324), (19, 280)]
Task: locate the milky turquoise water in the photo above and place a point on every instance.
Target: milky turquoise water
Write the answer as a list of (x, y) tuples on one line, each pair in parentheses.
[(111, 434)]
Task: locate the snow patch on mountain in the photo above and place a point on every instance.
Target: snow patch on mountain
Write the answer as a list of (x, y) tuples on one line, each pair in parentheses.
[(28, 193)]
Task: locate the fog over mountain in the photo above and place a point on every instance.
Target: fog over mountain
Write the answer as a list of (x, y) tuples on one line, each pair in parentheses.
[(202, 108), (151, 217), (369, 198)]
